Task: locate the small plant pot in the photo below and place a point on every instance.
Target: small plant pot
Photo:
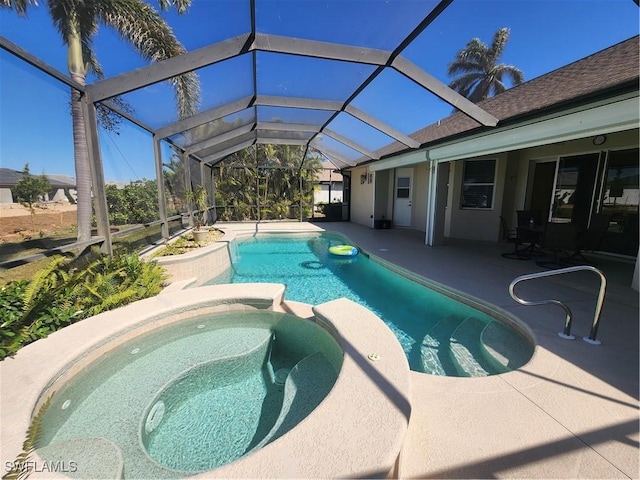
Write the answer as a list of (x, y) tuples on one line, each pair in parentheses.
[(200, 235)]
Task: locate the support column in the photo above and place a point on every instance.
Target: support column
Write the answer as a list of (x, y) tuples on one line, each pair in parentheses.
[(97, 174), (431, 203), (187, 183), (162, 198)]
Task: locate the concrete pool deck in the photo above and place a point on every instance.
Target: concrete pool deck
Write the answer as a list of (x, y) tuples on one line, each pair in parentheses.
[(357, 430), (572, 412)]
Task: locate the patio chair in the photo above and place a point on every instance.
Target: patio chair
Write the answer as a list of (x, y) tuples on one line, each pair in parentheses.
[(558, 238), (510, 236), (591, 239)]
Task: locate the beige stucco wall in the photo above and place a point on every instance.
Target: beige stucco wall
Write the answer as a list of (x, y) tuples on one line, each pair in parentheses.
[(383, 195), (475, 223), (361, 198), (420, 197), (513, 179)]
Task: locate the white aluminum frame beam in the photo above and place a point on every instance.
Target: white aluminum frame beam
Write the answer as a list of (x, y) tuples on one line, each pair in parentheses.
[(166, 69), (213, 141), (331, 154), (312, 48), (224, 153), (290, 127), (382, 127), (435, 86), (281, 141), (205, 117), (350, 144), (251, 135), (295, 102)]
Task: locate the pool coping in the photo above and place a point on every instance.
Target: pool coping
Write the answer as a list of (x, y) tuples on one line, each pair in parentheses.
[(357, 430)]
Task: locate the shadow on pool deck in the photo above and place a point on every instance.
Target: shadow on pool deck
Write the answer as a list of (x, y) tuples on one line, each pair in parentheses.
[(571, 412)]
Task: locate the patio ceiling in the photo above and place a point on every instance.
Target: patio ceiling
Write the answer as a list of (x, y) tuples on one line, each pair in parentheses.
[(270, 84)]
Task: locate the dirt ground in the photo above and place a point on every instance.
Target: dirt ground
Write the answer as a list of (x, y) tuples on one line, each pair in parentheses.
[(17, 222)]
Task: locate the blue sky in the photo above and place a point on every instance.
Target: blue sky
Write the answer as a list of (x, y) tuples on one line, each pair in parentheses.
[(35, 124)]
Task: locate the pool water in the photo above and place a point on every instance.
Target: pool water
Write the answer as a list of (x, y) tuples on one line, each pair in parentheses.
[(439, 334), (193, 396)]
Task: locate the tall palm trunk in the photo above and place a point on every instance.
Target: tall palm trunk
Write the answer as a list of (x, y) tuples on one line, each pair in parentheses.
[(77, 70)]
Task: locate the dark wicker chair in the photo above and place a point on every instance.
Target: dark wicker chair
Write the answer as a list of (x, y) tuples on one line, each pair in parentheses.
[(559, 238), (510, 236), (590, 239)]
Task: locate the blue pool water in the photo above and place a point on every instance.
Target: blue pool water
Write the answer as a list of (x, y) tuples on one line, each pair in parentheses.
[(192, 396), (439, 335)]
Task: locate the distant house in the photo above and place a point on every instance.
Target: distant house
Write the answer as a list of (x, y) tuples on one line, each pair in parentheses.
[(329, 187), (63, 187)]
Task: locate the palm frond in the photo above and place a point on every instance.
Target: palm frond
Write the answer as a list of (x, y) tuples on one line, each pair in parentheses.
[(19, 6), (42, 282), (20, 466), (181, 5), (479, 73), (141, 25), (498, 44)]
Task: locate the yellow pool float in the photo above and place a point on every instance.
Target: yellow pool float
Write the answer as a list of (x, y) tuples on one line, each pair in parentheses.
[(343, 250)]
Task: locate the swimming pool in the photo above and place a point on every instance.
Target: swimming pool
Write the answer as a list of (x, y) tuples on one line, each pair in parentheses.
[(439, 334), (191, 397)]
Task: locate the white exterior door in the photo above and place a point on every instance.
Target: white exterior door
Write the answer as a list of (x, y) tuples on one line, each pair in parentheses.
[(402, 197)]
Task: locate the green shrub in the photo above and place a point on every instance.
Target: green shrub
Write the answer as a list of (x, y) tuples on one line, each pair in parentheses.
[(70, 290)]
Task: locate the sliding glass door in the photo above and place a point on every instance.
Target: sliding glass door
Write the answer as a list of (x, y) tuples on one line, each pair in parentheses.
[(604, 183), (619, 199)]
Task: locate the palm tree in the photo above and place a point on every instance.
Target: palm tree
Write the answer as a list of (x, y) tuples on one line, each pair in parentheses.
[(480, 75), (139, 24)]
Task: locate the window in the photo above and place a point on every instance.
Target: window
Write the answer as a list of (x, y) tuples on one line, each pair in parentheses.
[(403, 187), (477, 183)]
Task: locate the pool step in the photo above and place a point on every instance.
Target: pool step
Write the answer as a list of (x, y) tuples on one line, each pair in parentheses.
[(98, 394), (435, 347), (307, 384), (504, 348), (466, 352)]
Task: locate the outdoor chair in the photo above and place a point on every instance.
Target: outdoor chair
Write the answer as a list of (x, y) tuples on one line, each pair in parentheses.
[(510, 236), (591, 239), (559, 238)]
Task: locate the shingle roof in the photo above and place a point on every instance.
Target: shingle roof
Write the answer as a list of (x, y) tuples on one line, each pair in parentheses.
[(10, 177), (323, 176), (603, 71)]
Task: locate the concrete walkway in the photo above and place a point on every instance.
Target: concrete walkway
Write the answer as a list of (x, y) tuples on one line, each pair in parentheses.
[(571, 412)]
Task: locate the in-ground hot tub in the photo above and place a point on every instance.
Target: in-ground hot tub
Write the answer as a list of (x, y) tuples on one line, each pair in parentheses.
[(224, 388), (191, 397)]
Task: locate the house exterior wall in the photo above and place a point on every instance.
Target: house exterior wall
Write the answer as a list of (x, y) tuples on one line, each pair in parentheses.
[(475, 223), (420, 196), (514, 174), (362, 198), (5, 195), (383, 208)]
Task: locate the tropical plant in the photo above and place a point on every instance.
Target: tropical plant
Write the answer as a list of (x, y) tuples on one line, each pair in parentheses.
[(271, 180), (22, 466), (136, 202), (140, 25), (199, 197), (70, 290), (174, 181), (29, 189), (479, 73)]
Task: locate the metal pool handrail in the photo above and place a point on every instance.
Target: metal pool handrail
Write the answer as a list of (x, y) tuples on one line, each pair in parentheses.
[(566, 333)]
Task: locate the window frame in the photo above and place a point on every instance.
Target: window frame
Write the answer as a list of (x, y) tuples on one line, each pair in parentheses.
[(466, 184)]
